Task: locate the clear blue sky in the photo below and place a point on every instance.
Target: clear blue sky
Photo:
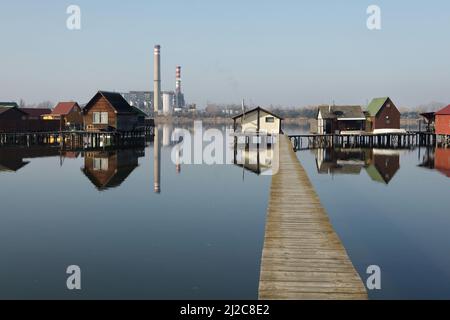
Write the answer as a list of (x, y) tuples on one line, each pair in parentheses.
[(291, 53)]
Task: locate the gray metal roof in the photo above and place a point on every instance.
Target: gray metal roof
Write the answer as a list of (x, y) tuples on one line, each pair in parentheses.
[(341, 112)]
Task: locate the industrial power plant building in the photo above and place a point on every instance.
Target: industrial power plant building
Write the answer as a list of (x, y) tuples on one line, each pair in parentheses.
[(163, 102)]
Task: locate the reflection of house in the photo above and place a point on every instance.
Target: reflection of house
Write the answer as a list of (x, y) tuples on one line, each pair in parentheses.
[(442, 161), (108, 169), (383, 116), (340, 119), (108, 111), (260, 161), (10, 161), (340, 161), (258, 120), (383, 165), (69, 113), (442, 122), (427, 159), (11, 158)]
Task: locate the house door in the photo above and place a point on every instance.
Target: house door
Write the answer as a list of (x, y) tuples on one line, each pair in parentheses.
[(328, 127)]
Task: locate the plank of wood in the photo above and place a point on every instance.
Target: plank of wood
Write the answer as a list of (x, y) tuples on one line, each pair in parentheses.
[(303, 257)]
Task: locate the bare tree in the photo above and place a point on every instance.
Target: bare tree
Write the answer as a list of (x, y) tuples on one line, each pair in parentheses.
[(22, 103), (45, 104)]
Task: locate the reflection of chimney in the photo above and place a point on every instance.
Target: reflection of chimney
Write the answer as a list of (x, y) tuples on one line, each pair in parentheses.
[(157, 79), (177, 159), (156, 162), (166, 135)]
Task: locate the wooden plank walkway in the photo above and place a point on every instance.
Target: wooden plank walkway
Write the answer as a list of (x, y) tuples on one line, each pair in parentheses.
[(303, 258)]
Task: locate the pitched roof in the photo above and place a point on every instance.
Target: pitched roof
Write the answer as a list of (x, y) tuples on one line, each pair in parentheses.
[(445, 111), (334, 112), (64, 108), (256, 109), (9, 104), (6, 109), (139, 111), (376, 105), (36, 112), (115, 100)]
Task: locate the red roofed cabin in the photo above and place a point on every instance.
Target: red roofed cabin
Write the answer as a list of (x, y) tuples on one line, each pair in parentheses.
[(442, 121), (109, 111), (69, 113)]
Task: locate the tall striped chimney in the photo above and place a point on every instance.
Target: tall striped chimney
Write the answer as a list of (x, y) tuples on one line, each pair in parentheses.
[(157, 79), (178, 80)]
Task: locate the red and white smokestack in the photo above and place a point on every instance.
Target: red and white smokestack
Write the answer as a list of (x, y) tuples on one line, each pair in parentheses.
[(178, 80)]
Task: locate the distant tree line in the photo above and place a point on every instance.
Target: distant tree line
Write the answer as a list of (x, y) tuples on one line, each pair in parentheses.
[(44, 104)]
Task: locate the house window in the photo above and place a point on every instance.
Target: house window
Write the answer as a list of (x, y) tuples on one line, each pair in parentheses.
[(388, 121), (388, 105), (101, 164), (270, 119), (100, 118)]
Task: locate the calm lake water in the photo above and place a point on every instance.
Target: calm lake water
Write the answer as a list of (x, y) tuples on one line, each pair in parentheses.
[(201, 236)]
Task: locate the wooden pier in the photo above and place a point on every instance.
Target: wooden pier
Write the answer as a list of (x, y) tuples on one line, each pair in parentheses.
[(303, 258), (391, 140)]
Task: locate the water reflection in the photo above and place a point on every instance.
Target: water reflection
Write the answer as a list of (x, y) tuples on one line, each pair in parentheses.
[(157, 162), (340, 161), (259, 156), (12, 158), (442, 161), (436, 159), (11, 162), (381, 165), (109, 169)]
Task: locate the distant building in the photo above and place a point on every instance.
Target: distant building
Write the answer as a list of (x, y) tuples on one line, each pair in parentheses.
[(340, 119), (168, 101), (180, 103), (142, 100), (109, 111), (383, 116), (442, 121), (69, 113), (258, 120)]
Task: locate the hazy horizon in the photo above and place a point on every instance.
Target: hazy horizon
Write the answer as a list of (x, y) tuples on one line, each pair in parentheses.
[(286, 53)]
